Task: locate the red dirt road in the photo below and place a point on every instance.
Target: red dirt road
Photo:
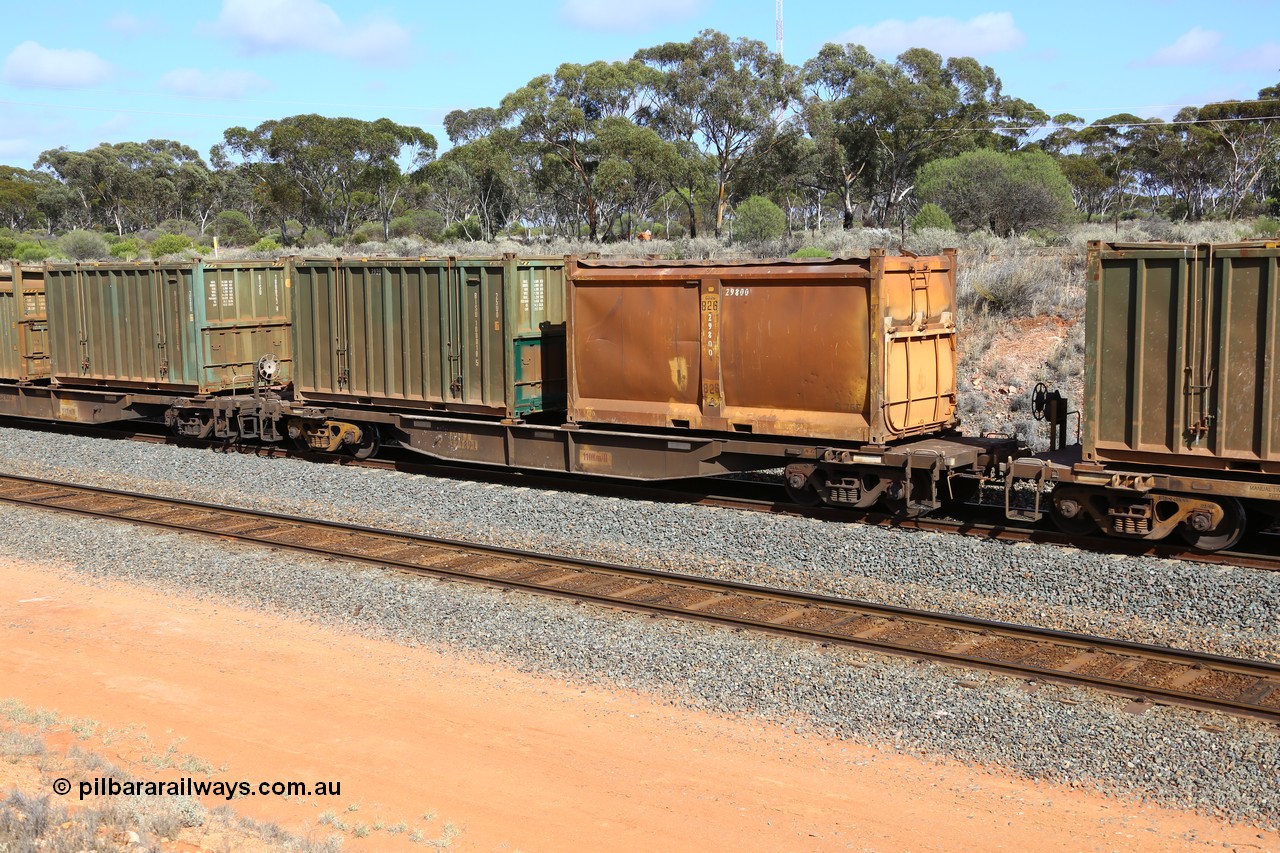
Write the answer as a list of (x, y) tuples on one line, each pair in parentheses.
[(514, 761)]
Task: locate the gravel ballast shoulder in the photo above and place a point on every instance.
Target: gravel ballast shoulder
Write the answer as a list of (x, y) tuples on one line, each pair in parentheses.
[(1052, 732)]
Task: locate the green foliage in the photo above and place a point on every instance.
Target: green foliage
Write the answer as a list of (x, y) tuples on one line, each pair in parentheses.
[(169, 244), (7, 246), (810, 252), (932, 216), (1003, 192), (726, 93), (266, 244), (467, 229), (314, 237), (758, 218), (83, 245), (369, 232), (1266, 226), (418, 223), (30, 252), (128, 249), (326, 165), (233, 228)]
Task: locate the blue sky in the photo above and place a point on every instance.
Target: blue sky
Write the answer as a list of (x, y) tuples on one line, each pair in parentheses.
[(78, 73)]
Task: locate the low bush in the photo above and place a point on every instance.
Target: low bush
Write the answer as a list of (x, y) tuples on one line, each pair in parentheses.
[(169, 244), (932, 216), (83, 245)]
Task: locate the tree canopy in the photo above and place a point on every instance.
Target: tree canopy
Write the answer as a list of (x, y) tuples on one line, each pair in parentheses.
[(673, 140)]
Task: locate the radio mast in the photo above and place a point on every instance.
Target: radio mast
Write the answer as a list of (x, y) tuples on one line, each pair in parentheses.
[(778, 17)]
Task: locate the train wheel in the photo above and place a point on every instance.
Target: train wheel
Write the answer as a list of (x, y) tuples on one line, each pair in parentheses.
[(1226, 534), (1067, 508), (369, 443), (808, 493)]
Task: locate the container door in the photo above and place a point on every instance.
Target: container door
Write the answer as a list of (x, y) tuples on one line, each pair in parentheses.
[(920, 346), (1235, 378)]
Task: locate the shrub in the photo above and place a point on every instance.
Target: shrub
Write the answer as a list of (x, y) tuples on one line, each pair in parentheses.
[(369, 232), (810, 252), (932, 216), (8, 245), (1266, 226), (420, 223), (266, 244), (313, 237), (234, 228), (468, 229), (997, 190), (83, 245), (128, 249), (757, 218), (180, 226), (30, 252), (170, 244)]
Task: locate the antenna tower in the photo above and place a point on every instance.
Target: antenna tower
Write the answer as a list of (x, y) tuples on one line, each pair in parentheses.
[(778, 17)]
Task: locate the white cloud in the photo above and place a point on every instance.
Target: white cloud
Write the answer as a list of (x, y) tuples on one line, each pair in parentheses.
[(611, 16), (992, 32), (31, 65), (213, 84), (131, 26), (1195, 45), (1264, 57), (262, 26)]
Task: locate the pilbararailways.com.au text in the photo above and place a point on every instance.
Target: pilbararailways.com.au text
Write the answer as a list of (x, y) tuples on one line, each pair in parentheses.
[(186, 786)]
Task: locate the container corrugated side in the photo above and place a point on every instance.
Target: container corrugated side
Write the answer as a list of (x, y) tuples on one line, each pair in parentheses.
[(189, 327), (1182, 351), (475, 335), (858, 349)]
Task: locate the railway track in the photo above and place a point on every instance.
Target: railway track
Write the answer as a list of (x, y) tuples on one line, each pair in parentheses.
[(1262, 553), (1147, 673)]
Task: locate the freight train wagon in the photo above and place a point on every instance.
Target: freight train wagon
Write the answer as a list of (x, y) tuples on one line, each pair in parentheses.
[(841, 371), (1181, 420)]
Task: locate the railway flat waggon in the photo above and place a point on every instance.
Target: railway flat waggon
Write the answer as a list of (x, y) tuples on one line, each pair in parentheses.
[(1181, 415)]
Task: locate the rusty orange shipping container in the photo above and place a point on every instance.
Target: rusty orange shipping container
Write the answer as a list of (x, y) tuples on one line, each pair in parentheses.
[(855, 349)]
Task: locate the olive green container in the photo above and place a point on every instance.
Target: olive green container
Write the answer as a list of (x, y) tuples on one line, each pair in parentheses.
[(1183, 355), (474, 335), (24, 327), (192, 328)]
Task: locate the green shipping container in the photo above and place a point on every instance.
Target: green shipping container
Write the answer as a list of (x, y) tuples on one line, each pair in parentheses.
[(197, 327), (24, 328), (475, 335), (1183, 355)]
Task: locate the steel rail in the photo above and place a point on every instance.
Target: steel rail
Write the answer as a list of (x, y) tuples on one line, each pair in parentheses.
[(700, 495), (1145, 672)]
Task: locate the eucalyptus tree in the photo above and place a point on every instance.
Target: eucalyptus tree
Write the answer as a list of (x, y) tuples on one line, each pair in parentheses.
[(126, 184), (728, 97), (573, 127), (1248, 135), (21, 192), (879, 122), (327, 165)]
